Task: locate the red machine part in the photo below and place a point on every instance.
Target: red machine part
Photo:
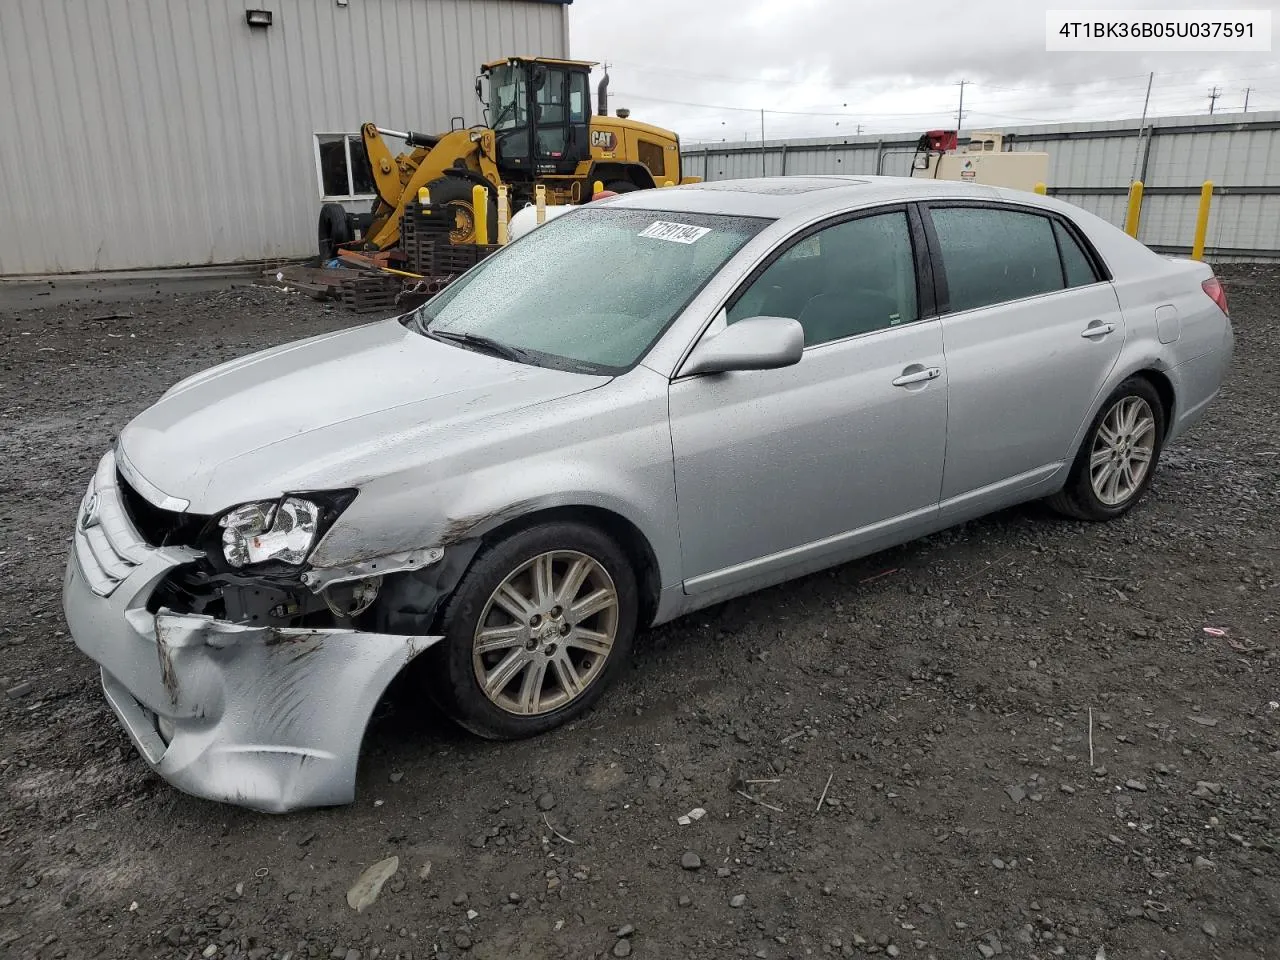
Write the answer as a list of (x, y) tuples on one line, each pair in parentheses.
[(940, 141)]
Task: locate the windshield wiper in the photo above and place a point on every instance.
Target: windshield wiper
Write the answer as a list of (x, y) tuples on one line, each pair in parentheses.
[(479, 341)]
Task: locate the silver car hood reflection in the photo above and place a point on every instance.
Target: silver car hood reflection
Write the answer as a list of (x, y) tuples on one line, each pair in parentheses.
[(320, 413)]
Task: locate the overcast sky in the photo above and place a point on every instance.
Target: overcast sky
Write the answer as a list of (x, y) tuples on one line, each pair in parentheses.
[(706, 68)]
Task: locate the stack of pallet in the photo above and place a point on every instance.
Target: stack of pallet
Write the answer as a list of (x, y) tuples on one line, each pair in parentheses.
[(371, 292), (423, 228), (451, 259)]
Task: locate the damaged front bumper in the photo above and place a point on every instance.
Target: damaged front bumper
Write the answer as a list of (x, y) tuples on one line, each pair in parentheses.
[(269, 718)]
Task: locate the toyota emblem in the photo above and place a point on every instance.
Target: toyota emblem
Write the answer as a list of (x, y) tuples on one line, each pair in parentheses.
[(89, 513)]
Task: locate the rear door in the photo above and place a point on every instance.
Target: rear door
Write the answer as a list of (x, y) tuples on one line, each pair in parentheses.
[(1032, 328)]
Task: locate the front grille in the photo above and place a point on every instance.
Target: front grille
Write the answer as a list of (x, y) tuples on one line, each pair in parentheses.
[(107, 546), (160, 527)]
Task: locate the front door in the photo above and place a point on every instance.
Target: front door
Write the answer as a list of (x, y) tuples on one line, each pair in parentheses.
[(1032, 330), (840, 453)]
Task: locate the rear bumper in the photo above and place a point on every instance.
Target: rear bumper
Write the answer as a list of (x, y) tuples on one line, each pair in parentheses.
[(263, 717)]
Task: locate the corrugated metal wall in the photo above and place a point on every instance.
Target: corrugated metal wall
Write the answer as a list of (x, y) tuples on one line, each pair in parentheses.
[(1091, 164), (147, 133)]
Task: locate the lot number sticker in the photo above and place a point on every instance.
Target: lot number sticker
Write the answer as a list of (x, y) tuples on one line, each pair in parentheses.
[(675, 232)]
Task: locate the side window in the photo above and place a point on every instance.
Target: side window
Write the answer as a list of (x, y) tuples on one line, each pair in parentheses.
[(579, 104), (851, 278), (1078, 267), (993, 256)]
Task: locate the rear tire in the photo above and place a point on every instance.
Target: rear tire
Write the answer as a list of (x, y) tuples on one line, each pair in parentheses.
[(333, 231), (1118, 455), (622, 186), (485, 672)]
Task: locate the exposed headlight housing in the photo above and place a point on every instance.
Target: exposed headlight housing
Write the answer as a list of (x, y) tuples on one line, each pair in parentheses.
[(279, 531)]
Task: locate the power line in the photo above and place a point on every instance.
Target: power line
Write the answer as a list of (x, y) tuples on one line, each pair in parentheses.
[(793, 113)]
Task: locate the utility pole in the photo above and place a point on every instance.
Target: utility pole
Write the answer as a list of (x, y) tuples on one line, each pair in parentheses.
[(1142, 125), (764, 157), (960, 111), (1246, 99), (858, 133), (1214, 94)]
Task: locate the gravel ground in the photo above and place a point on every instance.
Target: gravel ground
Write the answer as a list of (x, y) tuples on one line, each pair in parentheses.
[(938, 698)]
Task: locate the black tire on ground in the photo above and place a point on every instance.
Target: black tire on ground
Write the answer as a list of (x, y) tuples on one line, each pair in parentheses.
[(1078, 498), (456, 192), (449, 670), (621, 186), (334, 230)]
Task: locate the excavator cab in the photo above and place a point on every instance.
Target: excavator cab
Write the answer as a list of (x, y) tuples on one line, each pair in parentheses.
[(540, 113)]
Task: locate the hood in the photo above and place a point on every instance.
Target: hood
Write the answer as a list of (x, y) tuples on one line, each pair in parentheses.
[(313, 414)]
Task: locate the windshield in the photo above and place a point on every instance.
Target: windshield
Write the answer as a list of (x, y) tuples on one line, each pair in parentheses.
[(595, 287), (509, 92)]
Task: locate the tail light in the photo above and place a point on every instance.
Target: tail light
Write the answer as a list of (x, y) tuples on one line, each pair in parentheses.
[(1217, 293)]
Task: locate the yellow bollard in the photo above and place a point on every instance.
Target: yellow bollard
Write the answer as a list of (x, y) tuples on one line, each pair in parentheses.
[(1202, 220), (1135, 209), (597, 187), (424, 196), (480, 213), (504, 215), (540, 193), (1041, 189)]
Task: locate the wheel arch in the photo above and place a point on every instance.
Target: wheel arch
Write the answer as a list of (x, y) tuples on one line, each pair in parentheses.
[(632, 172), (1164, 388), (629, 537)]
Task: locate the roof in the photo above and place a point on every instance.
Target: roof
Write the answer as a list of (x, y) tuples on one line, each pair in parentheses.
[(529, 57), (778, 197)]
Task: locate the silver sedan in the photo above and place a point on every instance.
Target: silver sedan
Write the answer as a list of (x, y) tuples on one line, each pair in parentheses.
[(650, 404)]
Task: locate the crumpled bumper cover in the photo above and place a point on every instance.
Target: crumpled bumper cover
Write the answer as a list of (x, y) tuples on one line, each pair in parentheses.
[(262, 717)]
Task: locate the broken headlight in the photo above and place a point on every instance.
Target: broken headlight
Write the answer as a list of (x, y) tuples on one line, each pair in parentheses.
[(258, 532), (280, 531)]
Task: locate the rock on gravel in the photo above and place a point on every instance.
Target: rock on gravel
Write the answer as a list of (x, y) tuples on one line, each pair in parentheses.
[(690, 860)]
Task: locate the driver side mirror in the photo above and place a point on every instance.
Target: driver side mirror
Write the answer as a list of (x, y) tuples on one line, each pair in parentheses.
[(754, 343)]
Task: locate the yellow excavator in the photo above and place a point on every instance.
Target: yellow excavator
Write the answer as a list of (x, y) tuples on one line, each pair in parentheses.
[(539, 130)]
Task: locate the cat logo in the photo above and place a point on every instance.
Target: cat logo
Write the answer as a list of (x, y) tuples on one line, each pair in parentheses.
[(604, 139)]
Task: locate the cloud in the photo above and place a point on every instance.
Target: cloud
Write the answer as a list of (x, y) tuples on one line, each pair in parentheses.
[(825, 67)]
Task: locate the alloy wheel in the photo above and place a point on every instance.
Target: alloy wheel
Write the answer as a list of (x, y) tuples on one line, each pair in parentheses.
[(545, 633), (1123, 448)]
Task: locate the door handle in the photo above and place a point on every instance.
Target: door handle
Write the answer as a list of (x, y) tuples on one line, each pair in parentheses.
[(917, 374), (1097, 329)]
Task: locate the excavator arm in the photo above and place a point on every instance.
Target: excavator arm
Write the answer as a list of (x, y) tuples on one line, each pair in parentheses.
[(474, 150)]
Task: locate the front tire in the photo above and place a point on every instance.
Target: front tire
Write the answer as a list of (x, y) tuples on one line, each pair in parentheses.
[(456, 193), (535, 632), (1118, 456)]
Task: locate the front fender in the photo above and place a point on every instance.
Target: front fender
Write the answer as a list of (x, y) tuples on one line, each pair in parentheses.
[(605, 449)]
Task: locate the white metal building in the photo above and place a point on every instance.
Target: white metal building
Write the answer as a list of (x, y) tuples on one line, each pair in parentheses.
[(156, 133)]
